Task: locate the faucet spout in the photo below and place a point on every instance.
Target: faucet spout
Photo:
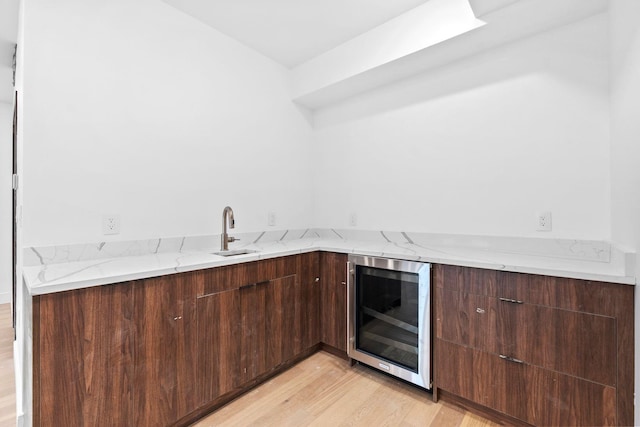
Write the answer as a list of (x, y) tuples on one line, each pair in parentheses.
[(227, 218)]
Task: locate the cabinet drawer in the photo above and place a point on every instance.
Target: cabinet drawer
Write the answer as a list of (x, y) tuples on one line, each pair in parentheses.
[(221, 279), (570, 342), (579, 344), (529, 393), (461, 317), (571, 294), (478, 281)]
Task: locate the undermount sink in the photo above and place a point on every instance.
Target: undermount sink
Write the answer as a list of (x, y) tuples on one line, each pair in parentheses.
[(235, 252)]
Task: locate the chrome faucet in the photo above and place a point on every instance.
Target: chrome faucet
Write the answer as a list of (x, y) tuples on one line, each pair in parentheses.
[(225, 238)]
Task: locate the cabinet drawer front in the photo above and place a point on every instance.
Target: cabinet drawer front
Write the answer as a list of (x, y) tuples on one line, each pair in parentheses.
[(482, 282), (607, 299), (221, 279), (579, 344), (464, 318), (532, 394)]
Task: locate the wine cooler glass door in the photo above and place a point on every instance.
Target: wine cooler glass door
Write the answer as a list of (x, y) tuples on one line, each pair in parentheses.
[(387, 315)]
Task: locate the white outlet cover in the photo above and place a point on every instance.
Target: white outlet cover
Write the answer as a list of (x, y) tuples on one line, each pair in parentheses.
[(271, 219), (111, 224), (353, 219), (543, 221)]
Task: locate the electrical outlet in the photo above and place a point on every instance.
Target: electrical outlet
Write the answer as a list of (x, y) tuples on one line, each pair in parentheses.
[(111, 224), (271, 219), (543, 221), (353, 219)]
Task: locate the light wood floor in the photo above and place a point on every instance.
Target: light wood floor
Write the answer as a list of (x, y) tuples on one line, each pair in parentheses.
[(7, 379), (324, 390)]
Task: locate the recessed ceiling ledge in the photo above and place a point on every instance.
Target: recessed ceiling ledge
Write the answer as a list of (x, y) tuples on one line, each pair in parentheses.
[(424, 26), (432, 35)]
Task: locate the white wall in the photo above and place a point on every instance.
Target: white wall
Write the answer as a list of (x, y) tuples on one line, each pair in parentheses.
[(625, 122), (625, 141), (478, 146), (6, 164), (136, 109)]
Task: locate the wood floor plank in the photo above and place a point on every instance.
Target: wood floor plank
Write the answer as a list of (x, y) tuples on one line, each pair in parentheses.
[(324, 390), (7, 377)]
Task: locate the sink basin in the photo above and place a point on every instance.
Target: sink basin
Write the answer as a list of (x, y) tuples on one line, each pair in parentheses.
[(235, 252)]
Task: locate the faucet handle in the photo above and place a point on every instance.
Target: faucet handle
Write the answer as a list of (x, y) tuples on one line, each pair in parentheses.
[(232, 239)]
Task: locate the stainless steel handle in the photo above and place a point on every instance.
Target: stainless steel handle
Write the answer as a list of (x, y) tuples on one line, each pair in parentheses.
[(348, 290), (511, 359), (513, 301), (317, 279), (344, 283)]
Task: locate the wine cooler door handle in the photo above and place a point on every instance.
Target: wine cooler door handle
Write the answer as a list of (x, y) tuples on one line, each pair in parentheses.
[(349, 322)]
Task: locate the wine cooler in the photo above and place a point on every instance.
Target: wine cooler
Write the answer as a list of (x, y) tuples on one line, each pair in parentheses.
[(389, 316)]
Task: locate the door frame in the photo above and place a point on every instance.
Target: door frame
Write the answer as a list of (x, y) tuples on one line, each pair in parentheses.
[(14, 215)]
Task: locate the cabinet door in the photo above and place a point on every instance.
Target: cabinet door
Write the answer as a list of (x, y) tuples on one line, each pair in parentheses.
[(333, 280), (253, 302), (267, 326), (165, 353), (307, 302), (218, 317), (82, 347), (280, 335)]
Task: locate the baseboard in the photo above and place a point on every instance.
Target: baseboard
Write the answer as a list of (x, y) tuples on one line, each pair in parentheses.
[(17, 366)]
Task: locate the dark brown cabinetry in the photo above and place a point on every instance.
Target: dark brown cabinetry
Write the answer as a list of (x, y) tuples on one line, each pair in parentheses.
[(218, 344), (118, 354), (307, 300), (267, 324), (544, 350), (165, 351), (247, 322), (267, 310), (162, 351), (334, 300), (83, 345), (156, 351)]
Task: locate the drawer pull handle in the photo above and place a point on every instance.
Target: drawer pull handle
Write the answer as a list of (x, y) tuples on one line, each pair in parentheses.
[(513, 301), (480, 310), (511, 359)]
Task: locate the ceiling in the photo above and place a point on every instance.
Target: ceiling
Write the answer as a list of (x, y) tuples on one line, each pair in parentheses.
[(8, 37), (293, 31)]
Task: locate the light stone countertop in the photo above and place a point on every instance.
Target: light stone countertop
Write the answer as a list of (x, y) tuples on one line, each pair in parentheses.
[(49, 270)]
